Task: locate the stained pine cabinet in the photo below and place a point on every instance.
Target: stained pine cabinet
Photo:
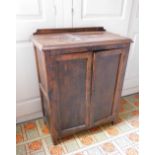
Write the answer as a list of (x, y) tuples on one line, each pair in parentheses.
[(80, 74)]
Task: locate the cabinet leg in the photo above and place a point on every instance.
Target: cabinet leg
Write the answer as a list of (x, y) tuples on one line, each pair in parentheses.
[(45, 119), (55, 141), (115, 121)]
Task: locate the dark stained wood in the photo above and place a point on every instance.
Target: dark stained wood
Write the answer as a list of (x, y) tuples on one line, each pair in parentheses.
[(72, 82), (61, 41), (105, 72), (67, 30), (81, 74), (119, 82)]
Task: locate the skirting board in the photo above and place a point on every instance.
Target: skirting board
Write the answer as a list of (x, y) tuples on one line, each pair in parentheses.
[(31, 109), (27, 110), (29, 117), (130, 86), (130, 91)]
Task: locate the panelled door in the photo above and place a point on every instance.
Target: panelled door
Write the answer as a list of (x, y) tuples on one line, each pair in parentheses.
[(106, 88), (71, 79), (31, 15), (112, 14)]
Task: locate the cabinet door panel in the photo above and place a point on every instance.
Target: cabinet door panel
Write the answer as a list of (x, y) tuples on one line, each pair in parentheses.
[(105, 72), (73, 73)]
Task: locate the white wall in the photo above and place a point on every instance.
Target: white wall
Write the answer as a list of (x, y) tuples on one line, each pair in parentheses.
[(31, 14), (119, 16), (131, 82)]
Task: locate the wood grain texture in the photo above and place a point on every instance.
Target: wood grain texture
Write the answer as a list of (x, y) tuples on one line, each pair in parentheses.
[(68, 30), (62, 40), (105, 67), (119, 82), (73, 81)]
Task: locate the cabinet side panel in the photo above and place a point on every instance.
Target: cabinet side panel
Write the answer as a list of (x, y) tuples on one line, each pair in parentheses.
[(41, 68), (104, 81)]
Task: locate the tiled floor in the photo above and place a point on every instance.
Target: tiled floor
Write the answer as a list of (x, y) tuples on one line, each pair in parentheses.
[(33, 137)]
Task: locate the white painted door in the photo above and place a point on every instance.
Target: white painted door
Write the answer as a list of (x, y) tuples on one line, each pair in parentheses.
[(131, 83), (118, 16), (31, 15), (112, 14)]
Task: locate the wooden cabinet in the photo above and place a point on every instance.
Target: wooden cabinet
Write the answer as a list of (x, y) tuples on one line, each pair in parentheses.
[(81, 73)]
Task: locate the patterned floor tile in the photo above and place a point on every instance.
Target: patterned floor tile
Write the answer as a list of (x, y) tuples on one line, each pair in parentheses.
[(33, 137), (56, 150), (30, 129), (21, 150), (82, 153), (70, 144), (134, 122), (109, 148), (35, 147), (53, 149), (95, 151), (48, 141), (98, 134), (127, 106), (133, 137), (122, 142), (131, 150), (42, 127), (127, 116), (124, 127), (112, 131), (132, 98), (38, 153), (85, 139), (19, 134)]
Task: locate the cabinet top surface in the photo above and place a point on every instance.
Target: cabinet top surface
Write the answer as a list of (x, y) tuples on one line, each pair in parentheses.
[(47, 40)]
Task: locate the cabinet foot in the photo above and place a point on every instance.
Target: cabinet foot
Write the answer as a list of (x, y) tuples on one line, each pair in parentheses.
[(114, 122), (45, 120), (55, 141)]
